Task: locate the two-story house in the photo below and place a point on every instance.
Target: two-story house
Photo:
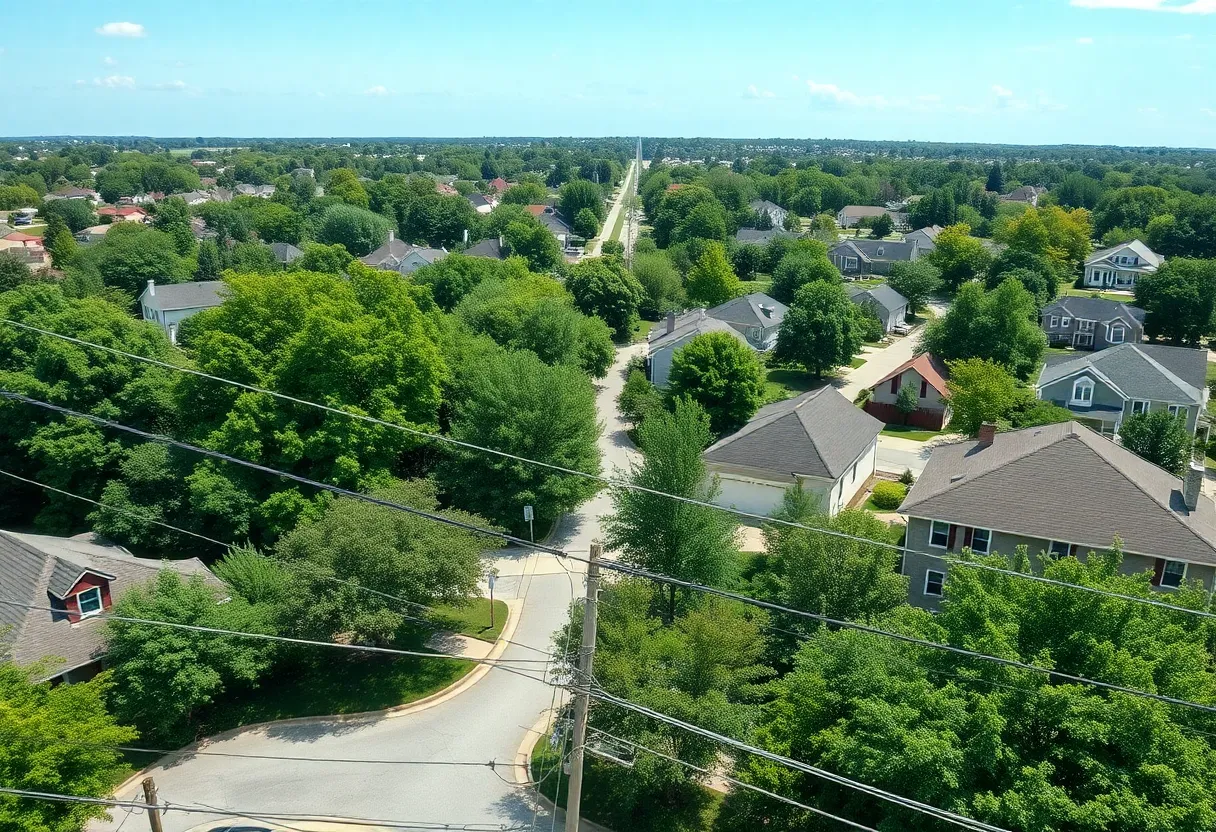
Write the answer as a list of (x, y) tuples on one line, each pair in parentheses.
[(1059, 490), (1118, 267), (757, 316), (1092, 323), (1103, 388), (172, 303), (861, 257), (399, 256), (678, 330), (775, 212)]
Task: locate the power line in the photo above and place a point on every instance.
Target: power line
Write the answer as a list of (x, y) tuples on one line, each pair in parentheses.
[(617, 483), (619, 567), (734, 781), (278, 816)]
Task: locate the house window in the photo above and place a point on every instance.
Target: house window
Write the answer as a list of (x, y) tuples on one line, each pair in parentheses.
[(1055, 321), (1058, 549), (1176, 410), (89, 601), (895, 384), (924, 388), (934, 581), (981, 541), (939, 535), (1082, 392), (1064, 322), (850, 263), (1173, 573), (1139, 406), (1117, 333), (1085, 326)]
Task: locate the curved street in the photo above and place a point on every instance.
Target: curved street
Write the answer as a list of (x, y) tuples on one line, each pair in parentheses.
[(487, 721)]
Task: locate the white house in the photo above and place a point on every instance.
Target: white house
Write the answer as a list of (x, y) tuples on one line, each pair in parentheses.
[(818, 439), (1119, 266), (172, 303), (775, 212)]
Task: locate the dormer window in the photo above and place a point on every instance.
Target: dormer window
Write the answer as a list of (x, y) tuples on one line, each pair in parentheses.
[(1082, 392), (89, 601), (1117, 333)]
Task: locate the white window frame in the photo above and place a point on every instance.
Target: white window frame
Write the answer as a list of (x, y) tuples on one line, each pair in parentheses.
[(1051, 549), (1084, 325), (1065, 322), (1055, 321), (987, 541), (933, 524), (1082, 385), (1122, 330), (1177, 410), (1181, 578), (80, 596), (850, 262), (942, 582), (1140, 406)]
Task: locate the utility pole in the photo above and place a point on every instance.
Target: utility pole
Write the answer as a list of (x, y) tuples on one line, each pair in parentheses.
[(582, 699), (150, 798)]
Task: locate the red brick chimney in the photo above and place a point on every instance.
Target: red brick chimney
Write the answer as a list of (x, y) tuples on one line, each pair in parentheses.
[(986, 434)]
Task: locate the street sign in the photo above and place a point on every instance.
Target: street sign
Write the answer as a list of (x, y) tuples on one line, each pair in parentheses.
[(493, 575), (528, 513)]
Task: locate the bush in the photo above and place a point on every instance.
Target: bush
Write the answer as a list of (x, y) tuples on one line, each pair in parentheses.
[(888, 495), (906, 477)]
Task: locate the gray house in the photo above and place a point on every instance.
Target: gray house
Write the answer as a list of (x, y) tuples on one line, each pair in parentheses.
[(1103, 388), (1092, 323), (172, 303), (889, 305), (925, 238), (861, 257), (676, 332), (775, 212), (399, 256), (755, 236), (1060, 490), (757, 316)]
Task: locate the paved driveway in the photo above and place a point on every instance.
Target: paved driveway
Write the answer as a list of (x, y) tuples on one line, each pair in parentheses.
[(488, 721)]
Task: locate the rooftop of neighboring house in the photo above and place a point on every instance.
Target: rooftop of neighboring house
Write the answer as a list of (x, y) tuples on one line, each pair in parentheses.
[(254, 190), (758, 237), (1093, 309), (1148, 258), (1026, 193), (199, 294), (1064, 482), (94, 231), (871, 250), (817, 434), (489, 247), (499, 184), (393, 252), (286, 252), (756, 309), (21, 237), (931, 368), (479, 200), (72, 192), (882, 294), (930, 231), (121, 211), (864, 210), (1139, 371), (691, 323), (43, 571), (764, 205), (191, 196)]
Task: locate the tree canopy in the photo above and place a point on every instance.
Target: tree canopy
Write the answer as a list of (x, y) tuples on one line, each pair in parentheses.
[(821, 330), (721, 374), (1001, 325)]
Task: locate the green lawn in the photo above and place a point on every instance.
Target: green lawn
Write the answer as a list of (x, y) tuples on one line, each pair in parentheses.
[(857, 362), (641, 328), (1085, 293), (762, 283), (915, 434), (473, 619), (785, 383), (1211, 372)]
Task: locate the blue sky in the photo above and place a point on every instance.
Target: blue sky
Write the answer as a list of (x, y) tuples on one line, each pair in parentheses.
[(1128, 72)]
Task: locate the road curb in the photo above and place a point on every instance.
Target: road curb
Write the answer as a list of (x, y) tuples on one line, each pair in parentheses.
[(523, 771), (438, 697)]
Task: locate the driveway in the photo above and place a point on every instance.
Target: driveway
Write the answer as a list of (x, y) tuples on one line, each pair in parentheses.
[(488, 721)]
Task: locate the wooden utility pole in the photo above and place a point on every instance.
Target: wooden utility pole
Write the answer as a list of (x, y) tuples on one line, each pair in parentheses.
[(582, 699), (150, 798)]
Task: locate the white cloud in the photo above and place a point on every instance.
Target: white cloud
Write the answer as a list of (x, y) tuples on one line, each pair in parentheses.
[(378, 89), (170, 86), (115, 82), (1208, 111), (836, 95), (1175, 6), (755, 92), (121, 30), (1085, 41), (795, 77), (1002, 92), (108, 61)]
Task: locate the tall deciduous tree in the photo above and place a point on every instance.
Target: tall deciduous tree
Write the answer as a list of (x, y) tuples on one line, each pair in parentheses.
[(1001, 325), (996, 179), (359, 230), (711, 280), (13, 272), (173, 217), (129, 256), (662, 288), (1159, 437), (979, 391), (800, 267), (916, 280), (959, 256), (722, 374), (579, 194), (344, 184), (608, 291), (820, 330), (1179, 300)]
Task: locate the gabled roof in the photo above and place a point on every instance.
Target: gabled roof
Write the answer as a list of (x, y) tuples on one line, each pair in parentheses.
[(764, 205), (1147, 256), (864, 210), (285, 252), (479, 200), (877, 250), (882, 294), (21, 237), (930, 231), (201, 294), (931, 368), (392, 252), (1140, 371), (817, 434), (489, 247), (1094, 309), (690, 324), (1026, 483), (758, 237), (756, 309)]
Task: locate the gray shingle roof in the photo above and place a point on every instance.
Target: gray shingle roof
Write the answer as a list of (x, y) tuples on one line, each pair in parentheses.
[(689, 324), (39, 570), (817, 434), (1147, 255), (1026, 483), (1093, 309), (882, 294), (285, 252), (489, 247), (758, 237), (756, 309), (201, 294), (879, 249), (1155, 372)]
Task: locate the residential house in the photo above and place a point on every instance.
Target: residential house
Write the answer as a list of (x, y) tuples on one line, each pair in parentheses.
[(775, 212), (927, 375), (757, 316), (1103, 388), (756, 237), (925, 238), (399, 256), (27, 248), (19, 240), (850, 216), (493, 247), (481, 203), (662, 342), (1092, 323), (1118, 267), (70, 582), (446, 190), (72, 192), (549, 217), (499, 185), (819, 440), (92, 234), (286, 252), (1026, 194), (887, 304), (124, 213), (855, 258), (141, 199), (1058, 490), (193, 197), (172, 303), (304, 172), (260, 191)]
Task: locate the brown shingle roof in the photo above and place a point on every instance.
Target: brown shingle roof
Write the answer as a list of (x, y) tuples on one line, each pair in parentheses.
[(930, 367)]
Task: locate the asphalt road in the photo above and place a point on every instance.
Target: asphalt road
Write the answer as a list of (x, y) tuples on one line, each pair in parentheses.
[(487, 721), (618, 205)]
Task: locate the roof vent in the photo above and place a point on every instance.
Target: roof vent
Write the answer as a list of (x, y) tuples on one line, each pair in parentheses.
[(957, 477)]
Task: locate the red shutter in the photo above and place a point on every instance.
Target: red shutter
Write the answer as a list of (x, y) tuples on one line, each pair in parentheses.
[(967, 531), (1158, 571), (950, 539), (924, 388), (895, 384)]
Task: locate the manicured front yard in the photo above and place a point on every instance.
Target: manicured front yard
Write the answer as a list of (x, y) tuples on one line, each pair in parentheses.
[(1085, 293), (641, 328), (762, 283), (857, 362), (784, 383), (915, 434), (472, 619)]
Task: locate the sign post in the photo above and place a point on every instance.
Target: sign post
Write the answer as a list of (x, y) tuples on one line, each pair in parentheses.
[(528, 516), (492, 576)]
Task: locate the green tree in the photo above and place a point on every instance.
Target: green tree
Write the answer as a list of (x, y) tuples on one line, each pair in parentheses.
[(820, 330), (1179, 300), (996, 179), (76, 213), (535, 243), (653, 532), (130, 255), (1129, 207), (578, 195), (979, 391), (608, 291), (360, 231), (916, 280), (1001, 325), (959, 256), (711, 280), (907, 400), (453, 277), (799, 268), (13, 271), (56, 739), (674, 206), (18, 196), (1076, 190), (173, 217), (525, 193), (209, 261), (61, 245), (883, 226), (586, 224), (747, 259), (344, 184), (164, 676), (721, 374), (318, 257), (638, 398), (662, 288), (514, 402), (706, 221), (1038, 273), (1159, 437)]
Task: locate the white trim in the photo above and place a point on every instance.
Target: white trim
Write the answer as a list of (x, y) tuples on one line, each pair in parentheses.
[(1147, 404), (987, 544), (79, 596), (1176, 410), (1110, 333), (1055, 322), (1065, 322), (1181, 579), (1067, 548), (1081, 387), (932, 524), (926, 591)]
